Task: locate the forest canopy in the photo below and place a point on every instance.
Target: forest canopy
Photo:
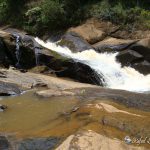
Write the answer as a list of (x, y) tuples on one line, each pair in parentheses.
[(38, 15)]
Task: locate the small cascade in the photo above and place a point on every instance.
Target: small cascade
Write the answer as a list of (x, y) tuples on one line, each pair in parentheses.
[(18, 53), (114, 75), (36, 51)]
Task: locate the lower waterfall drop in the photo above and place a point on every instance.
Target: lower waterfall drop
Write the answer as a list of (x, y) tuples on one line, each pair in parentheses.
[(115, 76)]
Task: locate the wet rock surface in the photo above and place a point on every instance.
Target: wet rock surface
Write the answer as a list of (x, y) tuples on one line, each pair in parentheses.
[(39, 144), (128, 57), (74, 42), (30, 80), (96, 111), (4, 144), (54, 93), (7, 89), (143, 48), (26, 53), (2, 108), (80, 72), (133, 47), (57, 64), (143, 67), (129, 99), (109, 120)]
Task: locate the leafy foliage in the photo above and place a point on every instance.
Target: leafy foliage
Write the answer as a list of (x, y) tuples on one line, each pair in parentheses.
[(36, 16), (121, 12), (53, 14), (3, 11)]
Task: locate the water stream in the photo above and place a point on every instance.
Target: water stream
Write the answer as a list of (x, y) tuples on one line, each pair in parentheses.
[(17, 49), (36, 50), (115, 76)]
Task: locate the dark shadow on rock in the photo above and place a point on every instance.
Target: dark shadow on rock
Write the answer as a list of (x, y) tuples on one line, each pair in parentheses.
[(143, 67), (74, 42), (126, 57), (7, 89), (4, 144), (39, 144)]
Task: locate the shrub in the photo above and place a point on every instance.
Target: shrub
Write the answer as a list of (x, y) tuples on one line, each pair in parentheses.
[(145, 18), (41, 15), (33, 15), (74, 11), (33, 21), (53, 14), (101, 10), (3, 11), (119, 14)]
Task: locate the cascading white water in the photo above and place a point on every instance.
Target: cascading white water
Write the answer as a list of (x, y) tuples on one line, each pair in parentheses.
[(17, 49), (115, 76), (36, 51)]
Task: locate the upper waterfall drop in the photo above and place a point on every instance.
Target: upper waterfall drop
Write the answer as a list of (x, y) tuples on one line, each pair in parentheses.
[(115, 76), (36, 51), (17, 49)]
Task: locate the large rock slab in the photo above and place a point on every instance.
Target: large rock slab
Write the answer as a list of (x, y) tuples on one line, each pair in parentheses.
[(66, 67), (74, 42), (26, 53), (111, 44), (143, 67), (89, 32), (7, 89), (80, 72), (94, 30), (4, 61), (30, 80), (91, 140), (54, 93), (127, 57), (32, 54), (143, 48)]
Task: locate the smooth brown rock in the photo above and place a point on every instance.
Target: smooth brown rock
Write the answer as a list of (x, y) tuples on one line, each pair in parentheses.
[(94, 30), (134, 35), (113, 44), (54, 93), (90, 140)]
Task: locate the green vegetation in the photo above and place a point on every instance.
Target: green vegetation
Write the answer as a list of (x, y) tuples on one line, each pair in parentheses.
[(41, 15), (133, 14)]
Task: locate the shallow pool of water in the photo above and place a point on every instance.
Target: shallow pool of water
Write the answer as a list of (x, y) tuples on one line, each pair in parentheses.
[(27, 114)]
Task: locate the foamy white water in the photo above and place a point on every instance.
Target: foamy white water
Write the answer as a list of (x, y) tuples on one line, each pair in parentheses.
[(115, 76)]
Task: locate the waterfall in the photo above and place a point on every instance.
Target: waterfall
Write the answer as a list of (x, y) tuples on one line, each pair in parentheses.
[(18, 54), (36, 50), (115, 76)]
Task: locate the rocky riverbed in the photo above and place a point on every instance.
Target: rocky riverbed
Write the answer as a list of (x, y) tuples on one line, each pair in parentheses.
[(49, 101), (61, 109)]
